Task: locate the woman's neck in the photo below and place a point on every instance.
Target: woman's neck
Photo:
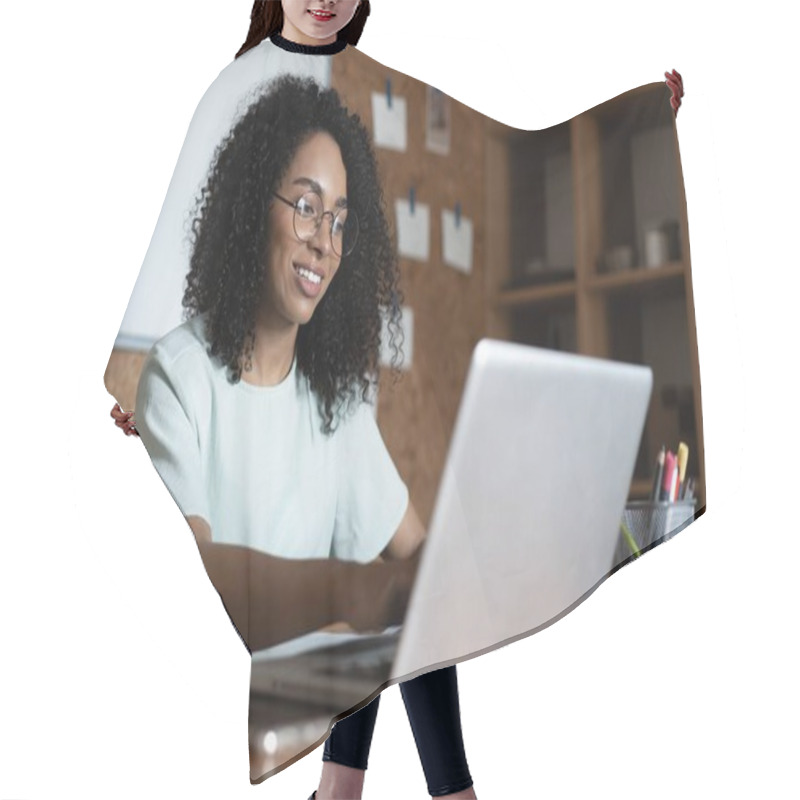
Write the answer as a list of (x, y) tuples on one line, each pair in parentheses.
[(272, 356), (293, 34)]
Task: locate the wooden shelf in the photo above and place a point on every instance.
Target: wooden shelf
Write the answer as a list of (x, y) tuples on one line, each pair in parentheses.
[(531, 295), (642, 276), (642, 315)]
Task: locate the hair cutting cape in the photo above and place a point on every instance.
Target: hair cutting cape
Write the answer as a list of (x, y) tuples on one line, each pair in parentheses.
[(573, 239)]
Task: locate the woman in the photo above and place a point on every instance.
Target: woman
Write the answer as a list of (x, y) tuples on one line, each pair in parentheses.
[(253, 283), (255, 406)]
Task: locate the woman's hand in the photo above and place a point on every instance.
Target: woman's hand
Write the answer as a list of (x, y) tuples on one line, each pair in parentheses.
[(271, 599), (124, 420), (376, 596), (675, 82)]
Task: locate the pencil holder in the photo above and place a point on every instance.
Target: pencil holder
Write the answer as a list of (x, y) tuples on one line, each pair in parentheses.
[(650, 523)]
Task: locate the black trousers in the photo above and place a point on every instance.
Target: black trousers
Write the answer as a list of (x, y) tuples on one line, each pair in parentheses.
[(432, 706)]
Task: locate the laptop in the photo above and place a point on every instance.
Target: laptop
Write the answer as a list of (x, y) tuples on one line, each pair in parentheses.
[(524, 528)]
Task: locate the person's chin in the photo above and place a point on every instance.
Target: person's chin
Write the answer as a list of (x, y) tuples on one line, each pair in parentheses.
[(317, 34), (304, 315)]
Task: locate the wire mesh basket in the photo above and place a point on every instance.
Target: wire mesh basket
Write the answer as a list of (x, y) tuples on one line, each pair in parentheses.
[(645, 523)]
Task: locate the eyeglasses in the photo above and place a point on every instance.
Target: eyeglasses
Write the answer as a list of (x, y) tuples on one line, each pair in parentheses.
[(308, 216)]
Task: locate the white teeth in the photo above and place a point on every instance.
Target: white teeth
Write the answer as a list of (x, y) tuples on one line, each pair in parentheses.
[(309, 275)]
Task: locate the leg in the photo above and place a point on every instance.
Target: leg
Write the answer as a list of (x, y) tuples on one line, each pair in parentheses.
[(433, 711), (345, 755)]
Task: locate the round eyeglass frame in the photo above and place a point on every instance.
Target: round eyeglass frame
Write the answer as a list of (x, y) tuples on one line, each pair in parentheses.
[(351, 223)]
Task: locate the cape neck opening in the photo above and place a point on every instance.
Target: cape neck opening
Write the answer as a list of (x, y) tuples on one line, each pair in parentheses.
[(309, 49)]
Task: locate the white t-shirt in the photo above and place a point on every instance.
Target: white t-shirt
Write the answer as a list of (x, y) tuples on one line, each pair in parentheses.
[(254, 463)]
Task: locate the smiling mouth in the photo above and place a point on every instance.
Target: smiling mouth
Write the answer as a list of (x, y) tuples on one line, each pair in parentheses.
[(308, 273), (322, 16)]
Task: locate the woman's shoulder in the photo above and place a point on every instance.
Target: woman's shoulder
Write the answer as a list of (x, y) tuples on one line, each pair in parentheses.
[(177, 367), (184, 348)]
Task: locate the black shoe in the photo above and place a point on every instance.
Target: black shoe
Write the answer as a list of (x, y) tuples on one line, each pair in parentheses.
[(313, 795)]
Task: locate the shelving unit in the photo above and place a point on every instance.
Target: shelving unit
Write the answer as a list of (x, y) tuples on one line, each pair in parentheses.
[(557, 201)]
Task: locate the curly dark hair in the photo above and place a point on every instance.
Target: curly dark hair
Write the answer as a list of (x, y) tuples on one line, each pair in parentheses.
[(339, 348)]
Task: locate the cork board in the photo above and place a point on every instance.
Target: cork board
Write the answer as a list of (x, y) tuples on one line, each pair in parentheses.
[(417, 413)]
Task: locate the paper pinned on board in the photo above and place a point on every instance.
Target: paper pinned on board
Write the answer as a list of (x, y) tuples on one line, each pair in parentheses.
[(437, 124), (406, 346), (456, 241), (413, 229), (389, 123)]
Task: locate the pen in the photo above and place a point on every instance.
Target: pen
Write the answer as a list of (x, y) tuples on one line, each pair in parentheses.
[(626, 532), (670, 474), (683, 457), (673, 487)]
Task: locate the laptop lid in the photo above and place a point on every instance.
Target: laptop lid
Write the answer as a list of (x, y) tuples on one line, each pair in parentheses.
[(528, 510)]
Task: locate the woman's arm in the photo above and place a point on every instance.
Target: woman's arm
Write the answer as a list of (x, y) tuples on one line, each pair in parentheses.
[(269, 599), (408, 537), (273, 599)]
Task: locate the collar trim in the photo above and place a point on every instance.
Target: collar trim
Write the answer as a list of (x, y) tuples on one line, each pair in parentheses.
[(308, 49)]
